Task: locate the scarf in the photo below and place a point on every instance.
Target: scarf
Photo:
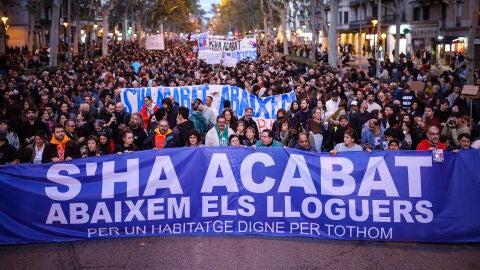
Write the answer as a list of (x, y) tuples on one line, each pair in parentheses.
[(60, 146), (161, 138), (222, 136)]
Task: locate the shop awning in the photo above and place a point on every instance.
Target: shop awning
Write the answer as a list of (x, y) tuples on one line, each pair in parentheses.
[(446, 39)]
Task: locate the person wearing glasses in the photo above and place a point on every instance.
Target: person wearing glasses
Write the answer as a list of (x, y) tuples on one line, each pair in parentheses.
[(432, 141), (161, 137)]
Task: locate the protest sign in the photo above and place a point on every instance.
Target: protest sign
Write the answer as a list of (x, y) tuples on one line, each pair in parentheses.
[(378, 196), (155, 42), (264, 109)]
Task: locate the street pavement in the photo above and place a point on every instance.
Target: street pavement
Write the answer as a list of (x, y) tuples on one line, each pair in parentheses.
[(238, 252)]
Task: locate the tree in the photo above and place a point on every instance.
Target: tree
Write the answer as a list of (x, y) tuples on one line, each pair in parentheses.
[(332, 29), (398, 9), (474, 10), (4, 4), (282, 9), (32, 7), (314, 30), (266, 36), (139, 9), (163, 10), (104, 10), (54, 32)]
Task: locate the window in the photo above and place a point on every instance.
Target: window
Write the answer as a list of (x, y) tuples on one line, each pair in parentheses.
[(416, 14), (345, 17), (339, 17), (426, 13)]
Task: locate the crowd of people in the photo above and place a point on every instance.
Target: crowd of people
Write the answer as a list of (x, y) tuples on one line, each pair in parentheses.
[(76, 111)]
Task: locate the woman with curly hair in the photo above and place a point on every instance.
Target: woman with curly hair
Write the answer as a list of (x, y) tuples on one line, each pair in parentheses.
[(230, 118), (294, 107), (92, 147)]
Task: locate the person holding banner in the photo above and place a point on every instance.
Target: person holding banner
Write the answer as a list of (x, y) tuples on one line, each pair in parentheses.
[(302, 143), (432, 141), (250, 136), (127, 145), (348, 143), (61, 148), (266, 140), (233, 140), (219, 134), (161, 137), (194, 139), (92, 148)]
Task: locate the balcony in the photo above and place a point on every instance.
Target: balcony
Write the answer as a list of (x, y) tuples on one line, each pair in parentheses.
[(354, 3), (45, 22), (355, 24), (425, 2)]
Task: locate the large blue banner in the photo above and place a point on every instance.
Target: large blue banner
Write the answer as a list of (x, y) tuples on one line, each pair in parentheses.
[(264, 108), (382, 196)]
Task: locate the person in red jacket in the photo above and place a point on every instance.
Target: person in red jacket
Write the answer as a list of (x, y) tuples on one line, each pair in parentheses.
[(147, 110), (432, 141)]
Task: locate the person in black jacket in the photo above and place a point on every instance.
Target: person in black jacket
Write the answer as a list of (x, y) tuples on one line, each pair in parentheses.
[(171, 112), (61, 148), (183, 128)]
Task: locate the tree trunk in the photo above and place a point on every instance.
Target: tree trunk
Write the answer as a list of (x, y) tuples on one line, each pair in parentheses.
[(2, 40), (265, 27), (161, 27), (283, 17), (283, 14), (68, 30), (54, 32), (313, 52), (31, 29), (140, 32), (76, 38), (398, 20), (471, 41), (332, 37), (105, 16)]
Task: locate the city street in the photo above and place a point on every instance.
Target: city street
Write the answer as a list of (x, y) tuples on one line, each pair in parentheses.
[(238, 252)]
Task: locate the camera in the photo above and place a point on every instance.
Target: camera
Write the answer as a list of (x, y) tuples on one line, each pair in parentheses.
[(451, 121)]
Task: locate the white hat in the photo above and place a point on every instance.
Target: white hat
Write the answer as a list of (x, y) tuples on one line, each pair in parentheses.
[(354, 103)]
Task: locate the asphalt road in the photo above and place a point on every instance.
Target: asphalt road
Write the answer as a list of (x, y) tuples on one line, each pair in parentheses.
[(238, 252)]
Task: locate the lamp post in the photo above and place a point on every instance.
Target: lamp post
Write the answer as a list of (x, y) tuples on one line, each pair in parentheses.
[(95, 26), (374, 22), (384, 45), (5, 28), (65, 36), (304, 27), (379, 17)]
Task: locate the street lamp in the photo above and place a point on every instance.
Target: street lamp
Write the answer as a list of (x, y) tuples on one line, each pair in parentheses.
[(384, 45), (65, 36), (374, 22), (95, 26), (5, 27), (4, 20)]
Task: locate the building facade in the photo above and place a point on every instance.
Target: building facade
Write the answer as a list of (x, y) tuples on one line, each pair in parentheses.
[(439, 28)]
